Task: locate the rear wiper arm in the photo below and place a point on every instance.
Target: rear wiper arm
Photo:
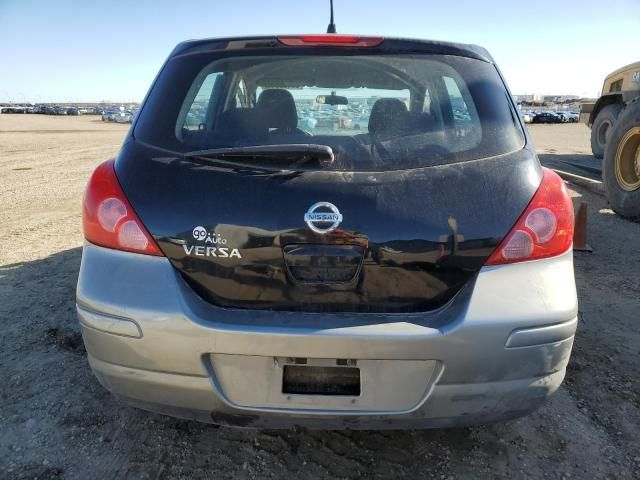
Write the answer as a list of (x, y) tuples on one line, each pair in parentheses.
[(294, 153)]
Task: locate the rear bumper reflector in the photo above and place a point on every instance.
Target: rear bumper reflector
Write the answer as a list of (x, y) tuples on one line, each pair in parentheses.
[(528, 337), (109, 324)]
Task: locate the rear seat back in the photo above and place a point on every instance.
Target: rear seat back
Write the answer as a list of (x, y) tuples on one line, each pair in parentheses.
[(238, 125), (274, 116), (390, 117), (390, 122), (277, 110)]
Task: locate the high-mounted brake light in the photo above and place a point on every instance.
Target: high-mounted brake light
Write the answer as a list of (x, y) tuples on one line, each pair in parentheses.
[(330, 40), (545, 229), (109, 220)]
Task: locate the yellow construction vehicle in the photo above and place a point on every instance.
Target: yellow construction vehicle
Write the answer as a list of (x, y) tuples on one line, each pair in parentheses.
[(615, 136)]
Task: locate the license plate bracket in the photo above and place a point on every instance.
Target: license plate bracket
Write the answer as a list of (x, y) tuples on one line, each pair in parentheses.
[(321, 380)]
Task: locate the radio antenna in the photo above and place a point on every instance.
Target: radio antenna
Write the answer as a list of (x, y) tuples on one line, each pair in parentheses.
[(332, 26)]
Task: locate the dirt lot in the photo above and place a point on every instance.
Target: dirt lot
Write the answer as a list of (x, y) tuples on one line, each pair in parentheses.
[(57, 422)]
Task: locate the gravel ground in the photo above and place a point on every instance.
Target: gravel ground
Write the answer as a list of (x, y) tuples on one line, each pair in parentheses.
[(57, 422)]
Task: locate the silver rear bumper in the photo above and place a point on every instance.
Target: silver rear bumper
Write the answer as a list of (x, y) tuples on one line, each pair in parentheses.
[(496, 351)]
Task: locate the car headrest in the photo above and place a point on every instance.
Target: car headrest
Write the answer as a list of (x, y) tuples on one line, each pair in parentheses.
[(388, 115), (240, 124), (278, 109)]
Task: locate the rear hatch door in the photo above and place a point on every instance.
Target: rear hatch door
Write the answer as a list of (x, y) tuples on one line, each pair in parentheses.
[(427, 171)]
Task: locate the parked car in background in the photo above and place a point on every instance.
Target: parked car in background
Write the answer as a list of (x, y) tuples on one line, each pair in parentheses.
[(572, 117), (561, 116), (242, 270), (546, 117), (17, 109), (526, 117), (567, 117), (361, 122), (125, 116), (73, 111), (108, 115)]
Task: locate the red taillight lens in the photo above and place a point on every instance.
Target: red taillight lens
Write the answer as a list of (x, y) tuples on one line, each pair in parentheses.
[(108, 218), (330, 40), (545, 229)]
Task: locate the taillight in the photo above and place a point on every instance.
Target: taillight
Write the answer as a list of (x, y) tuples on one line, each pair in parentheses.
[(545, 229), (331, 40), (109, 220)]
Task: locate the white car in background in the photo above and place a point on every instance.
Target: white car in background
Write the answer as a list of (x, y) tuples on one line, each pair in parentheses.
[(527, 117)]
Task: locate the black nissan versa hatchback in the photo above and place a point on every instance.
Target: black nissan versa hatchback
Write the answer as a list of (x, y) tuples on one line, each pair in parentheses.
[(328, 230)]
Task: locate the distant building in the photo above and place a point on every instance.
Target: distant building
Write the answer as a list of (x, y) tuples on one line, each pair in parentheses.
[(539, 98), (523, 98), (560, 98), (529, 97)]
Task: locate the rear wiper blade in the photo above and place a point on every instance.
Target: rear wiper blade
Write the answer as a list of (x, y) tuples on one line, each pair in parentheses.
[(294, 153)]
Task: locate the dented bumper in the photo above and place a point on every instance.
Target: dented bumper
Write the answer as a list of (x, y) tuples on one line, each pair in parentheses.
[(496, 351)]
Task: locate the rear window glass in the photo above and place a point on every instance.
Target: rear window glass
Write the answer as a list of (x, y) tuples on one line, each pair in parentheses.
[(196, 114), (377, 112)]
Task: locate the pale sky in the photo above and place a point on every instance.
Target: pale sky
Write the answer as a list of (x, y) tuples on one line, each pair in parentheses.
[(64, 50)]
